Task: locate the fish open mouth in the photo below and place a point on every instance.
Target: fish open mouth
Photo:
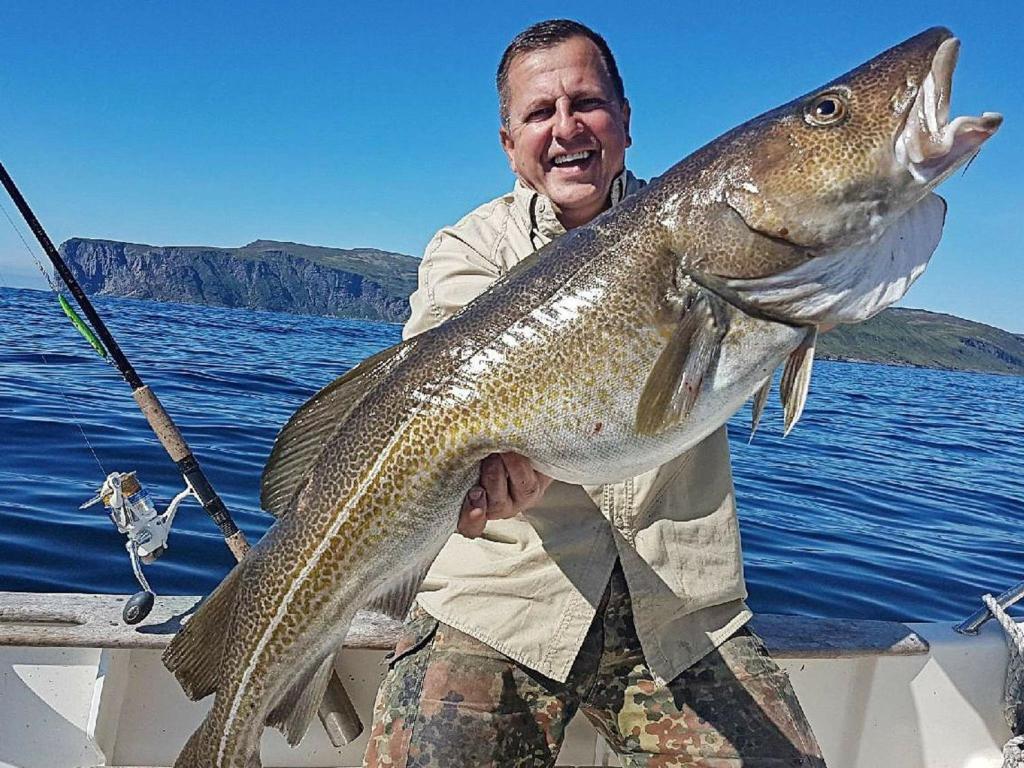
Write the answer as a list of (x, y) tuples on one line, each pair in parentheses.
[(929, 146)]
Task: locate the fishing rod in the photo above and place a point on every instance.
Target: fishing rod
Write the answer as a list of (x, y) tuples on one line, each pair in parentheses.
[(132, 503), (130, 507)]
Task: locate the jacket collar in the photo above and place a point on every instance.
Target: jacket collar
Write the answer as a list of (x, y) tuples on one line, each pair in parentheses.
[(538, 214)]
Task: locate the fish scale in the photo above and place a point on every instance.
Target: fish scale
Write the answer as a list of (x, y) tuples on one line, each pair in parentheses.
[(607, 353)]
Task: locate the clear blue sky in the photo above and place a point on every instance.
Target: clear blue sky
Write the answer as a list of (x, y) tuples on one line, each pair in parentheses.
[(359, 124)]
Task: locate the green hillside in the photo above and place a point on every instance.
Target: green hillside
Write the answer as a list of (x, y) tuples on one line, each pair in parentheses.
[(926, 339), (375, 284)]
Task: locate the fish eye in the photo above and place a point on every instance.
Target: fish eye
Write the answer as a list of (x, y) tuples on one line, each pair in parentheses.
[(826, 109)]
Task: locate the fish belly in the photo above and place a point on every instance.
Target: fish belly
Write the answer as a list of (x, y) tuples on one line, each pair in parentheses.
[(597, 442)]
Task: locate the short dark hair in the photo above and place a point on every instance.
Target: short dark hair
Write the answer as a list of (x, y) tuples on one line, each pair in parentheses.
[(548, 34)]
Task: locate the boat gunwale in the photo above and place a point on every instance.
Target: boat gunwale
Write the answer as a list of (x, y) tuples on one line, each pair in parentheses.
[(70, 620)]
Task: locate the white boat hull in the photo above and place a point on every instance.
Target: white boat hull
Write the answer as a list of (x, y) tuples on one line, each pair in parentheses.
[(874, 699)]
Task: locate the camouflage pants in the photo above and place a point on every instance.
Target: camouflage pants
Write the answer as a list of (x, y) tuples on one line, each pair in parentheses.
[(450, 701)]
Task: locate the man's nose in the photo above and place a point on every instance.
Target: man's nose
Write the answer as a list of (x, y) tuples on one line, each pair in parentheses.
[(566, 123)]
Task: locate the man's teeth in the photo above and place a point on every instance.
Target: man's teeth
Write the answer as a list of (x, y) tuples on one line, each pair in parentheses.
[(563, 159)]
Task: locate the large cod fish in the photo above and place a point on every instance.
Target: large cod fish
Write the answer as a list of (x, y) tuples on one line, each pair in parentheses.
[(605, 354)]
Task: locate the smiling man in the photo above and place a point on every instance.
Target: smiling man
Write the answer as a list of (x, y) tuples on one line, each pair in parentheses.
[(565, 126), (622, 601)]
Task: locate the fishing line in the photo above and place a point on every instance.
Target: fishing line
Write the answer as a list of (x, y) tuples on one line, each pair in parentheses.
[(39, 264), (969, 162), (60, 387)]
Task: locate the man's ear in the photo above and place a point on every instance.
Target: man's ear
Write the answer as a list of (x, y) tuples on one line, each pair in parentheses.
[(508, 144), (625, 122)]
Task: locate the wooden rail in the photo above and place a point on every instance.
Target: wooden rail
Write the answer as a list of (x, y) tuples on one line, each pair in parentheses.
[(94, 621)]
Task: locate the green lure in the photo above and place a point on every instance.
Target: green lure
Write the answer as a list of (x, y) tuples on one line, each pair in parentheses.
[(83, 329)]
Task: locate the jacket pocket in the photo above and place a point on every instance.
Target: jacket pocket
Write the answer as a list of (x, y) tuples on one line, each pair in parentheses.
[(417, 633)]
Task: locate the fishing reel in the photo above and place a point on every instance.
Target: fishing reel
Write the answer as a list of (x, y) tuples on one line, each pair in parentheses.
[(133, 513)]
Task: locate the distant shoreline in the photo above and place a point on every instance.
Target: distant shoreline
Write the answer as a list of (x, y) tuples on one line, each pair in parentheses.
[(371, 284), (923, 339), (895, 364)]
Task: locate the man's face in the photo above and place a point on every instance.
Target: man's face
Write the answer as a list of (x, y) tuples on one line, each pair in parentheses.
[(567, 133)]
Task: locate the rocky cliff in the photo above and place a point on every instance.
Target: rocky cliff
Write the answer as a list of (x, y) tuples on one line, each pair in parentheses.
[(285, 277), (926, 339), (375, 285)]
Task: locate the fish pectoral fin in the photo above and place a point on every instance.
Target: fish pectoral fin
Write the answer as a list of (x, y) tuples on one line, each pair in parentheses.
[(757, 408), (194, 654), (676, 378), (301, 440), (796, 380), (397, 596), (396, 602), (296, 709)]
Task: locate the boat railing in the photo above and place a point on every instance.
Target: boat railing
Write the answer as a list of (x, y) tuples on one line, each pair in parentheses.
[(81, 620)]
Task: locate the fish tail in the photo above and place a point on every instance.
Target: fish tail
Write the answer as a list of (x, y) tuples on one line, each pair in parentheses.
[(196, 751), (202, 750)]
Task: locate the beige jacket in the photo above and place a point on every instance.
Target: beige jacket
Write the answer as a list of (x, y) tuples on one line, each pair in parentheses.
[(529, 587)]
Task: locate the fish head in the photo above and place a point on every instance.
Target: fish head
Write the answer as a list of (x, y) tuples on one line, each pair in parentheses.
[(837, 166), (828, 199)]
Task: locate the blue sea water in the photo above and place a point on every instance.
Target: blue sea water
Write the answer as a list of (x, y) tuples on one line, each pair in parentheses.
[(900, 495)]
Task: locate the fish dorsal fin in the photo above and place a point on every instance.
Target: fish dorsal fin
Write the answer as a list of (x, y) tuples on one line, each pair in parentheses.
[(796, 380), (757, 409), (675, 380), (301, 440), (195, 652), (294, 712)]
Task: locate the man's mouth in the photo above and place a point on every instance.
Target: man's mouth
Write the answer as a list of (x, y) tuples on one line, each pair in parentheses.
[(573, 159)]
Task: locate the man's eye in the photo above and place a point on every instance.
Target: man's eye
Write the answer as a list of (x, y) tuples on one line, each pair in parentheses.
[(585, 105), (542, 113)]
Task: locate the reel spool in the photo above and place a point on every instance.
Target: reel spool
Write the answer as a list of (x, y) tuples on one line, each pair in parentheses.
[(133, 513)]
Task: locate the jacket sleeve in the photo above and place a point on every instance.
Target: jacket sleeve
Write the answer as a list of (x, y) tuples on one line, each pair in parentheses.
[(451, 274)]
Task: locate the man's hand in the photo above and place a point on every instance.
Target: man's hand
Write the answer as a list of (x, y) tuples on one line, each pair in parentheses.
[(508, 485)]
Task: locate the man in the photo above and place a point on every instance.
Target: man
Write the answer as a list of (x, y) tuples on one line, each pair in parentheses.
[(623, 601)]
